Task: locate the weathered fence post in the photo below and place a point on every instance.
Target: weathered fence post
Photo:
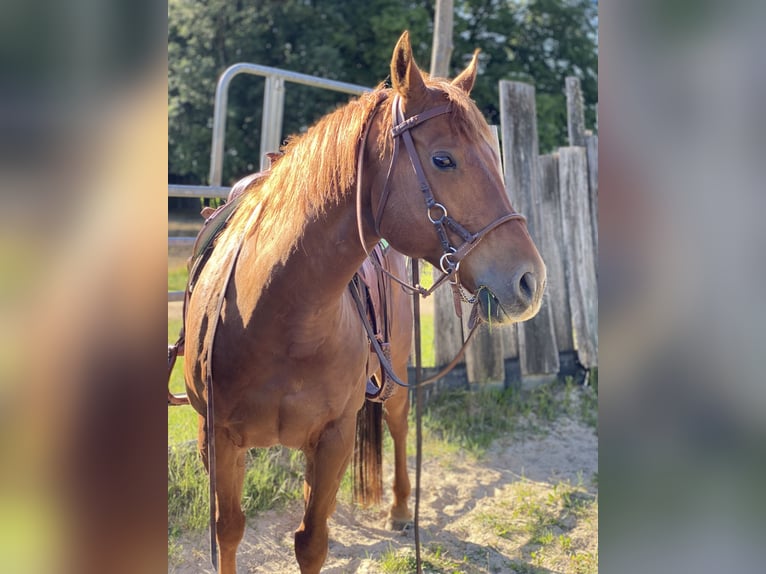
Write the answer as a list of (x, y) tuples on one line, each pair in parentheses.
[(591, 149), (442, 44), (580, 261), (484, 358), (575, 112), (538, 352), (448, 332), (578, 171), (553, 251), (579, 136), (508, 333)]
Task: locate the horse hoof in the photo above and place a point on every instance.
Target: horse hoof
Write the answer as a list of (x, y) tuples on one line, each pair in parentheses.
[(399, 525)]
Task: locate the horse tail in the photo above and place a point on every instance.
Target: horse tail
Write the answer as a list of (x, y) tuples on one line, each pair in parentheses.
[(368, 454)]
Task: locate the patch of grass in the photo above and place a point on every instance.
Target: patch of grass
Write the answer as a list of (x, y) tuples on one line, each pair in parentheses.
[(273, 477), (584, 563), (177, 276), (589, 405), (565, 542), (571, 499), (187, 491), (471, 420), (393, 562), (346, 489), (468, 419), (545, 525), (496, 523), (182, 425), (524, 568), (182, 421), (433, 559), (543, 538), (175, 552), (428, 350)]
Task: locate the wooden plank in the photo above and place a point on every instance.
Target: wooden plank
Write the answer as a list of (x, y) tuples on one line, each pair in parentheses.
[(591, 150), (508, 333), (552, 250), (448, 335), (447, 326), (538, 352), (580, 262), (575, 112), (484, 357), (442, 42)]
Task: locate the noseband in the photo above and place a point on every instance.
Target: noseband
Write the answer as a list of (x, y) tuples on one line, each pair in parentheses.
[(436, 212)]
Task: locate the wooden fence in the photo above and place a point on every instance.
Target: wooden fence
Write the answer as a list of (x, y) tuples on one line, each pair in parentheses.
[(559, 195)]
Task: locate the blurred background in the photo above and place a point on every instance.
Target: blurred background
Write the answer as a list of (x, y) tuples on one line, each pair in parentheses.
[(83, 168), (84, 111), (682, 306)]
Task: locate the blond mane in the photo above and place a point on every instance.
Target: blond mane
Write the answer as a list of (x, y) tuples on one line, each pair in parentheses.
[(317, 168)]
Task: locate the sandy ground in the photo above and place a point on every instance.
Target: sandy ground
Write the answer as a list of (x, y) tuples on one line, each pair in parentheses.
[(460, 493)]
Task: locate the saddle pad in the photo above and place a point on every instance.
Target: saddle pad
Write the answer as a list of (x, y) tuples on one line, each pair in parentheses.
[(215, 223)]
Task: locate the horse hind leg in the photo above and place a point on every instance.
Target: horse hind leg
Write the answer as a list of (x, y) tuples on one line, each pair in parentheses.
[(229, 476), (396, 410)]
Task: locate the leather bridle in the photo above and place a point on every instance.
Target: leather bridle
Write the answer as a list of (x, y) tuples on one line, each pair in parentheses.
[(436, 212)]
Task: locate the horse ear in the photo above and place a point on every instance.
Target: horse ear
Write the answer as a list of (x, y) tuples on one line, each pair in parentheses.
[(468, 76), (406, 78)]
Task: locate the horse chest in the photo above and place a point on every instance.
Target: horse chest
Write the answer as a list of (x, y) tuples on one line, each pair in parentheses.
[(290, 407)]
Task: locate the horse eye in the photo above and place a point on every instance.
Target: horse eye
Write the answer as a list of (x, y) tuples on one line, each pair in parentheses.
[(443, 161)]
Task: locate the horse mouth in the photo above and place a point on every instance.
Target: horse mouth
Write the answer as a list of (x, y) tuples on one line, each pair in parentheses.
[(488, 309)]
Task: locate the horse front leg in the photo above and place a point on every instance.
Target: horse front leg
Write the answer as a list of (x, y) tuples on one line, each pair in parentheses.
[(328, 461), (396, 410)]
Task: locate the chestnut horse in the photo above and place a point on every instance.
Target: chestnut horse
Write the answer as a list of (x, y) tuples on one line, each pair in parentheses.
[(289, 356)]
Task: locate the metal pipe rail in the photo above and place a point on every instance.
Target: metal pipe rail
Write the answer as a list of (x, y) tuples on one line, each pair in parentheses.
[(271, 129), (201, 191), (273, 108)]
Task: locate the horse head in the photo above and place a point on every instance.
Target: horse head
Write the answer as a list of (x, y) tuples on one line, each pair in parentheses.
[(437, 192)]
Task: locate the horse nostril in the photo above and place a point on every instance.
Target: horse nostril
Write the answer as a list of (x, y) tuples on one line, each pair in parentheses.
[(527, 285)]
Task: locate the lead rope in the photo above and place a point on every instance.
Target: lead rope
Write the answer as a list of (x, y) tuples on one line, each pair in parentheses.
[(418, 414)]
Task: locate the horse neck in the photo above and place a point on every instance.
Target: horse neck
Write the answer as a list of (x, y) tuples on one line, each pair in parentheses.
[(330, 252), (314, 276)]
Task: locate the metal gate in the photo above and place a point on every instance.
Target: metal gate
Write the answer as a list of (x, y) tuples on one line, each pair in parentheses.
[(271, 129)]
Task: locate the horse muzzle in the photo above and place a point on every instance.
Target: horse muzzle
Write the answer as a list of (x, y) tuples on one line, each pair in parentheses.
[(519, 300)]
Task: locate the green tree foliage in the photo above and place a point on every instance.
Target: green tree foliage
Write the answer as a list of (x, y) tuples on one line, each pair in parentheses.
[(541, 41)]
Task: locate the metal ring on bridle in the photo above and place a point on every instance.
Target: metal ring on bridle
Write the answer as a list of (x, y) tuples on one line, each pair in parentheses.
[(444, 260), (443, 215)]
